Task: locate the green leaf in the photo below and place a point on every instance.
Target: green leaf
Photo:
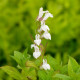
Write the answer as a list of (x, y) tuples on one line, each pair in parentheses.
[(72, 67), (63, 77), (25, 52), (78, 71), (21, 58), (17, 57), (26, 55), (42, 75), (74, 64), (45, 74), (64, 69), (12, 72)]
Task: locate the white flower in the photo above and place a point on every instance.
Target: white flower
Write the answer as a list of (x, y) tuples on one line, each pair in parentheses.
[(38, 40), (37, 53), (41, 12), (42, 22), (47, 15), (32, 45), (45, 66), (35, 47), (44, 28), (46, 35)]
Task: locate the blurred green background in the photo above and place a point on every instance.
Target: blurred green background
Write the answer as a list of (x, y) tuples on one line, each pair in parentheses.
[(18, 22)]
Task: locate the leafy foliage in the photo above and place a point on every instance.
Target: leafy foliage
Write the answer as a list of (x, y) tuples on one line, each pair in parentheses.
[(21, 58), (29, 70), (12, 72)]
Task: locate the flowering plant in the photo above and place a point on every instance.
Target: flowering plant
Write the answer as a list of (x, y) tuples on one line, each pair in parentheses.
[(42, 67), (42, 33)]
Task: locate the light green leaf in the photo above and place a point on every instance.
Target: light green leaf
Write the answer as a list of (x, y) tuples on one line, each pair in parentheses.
[(72, 67), (74, 64)]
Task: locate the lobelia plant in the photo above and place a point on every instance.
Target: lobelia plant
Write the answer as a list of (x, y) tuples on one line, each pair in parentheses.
[(41, 67), (42, 32)]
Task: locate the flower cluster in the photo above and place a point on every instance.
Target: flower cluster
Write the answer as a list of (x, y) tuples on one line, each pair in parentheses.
[(45, 34)]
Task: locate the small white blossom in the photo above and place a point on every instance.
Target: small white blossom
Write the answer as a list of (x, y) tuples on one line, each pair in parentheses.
[(35, 47), (38, 40), (46, 35), (44, 28), (32, 45), (47, 15), (45, 65), (37, 53), (41, 12)]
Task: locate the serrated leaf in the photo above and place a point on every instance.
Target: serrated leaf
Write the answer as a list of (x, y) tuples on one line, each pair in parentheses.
[(12, 72)]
